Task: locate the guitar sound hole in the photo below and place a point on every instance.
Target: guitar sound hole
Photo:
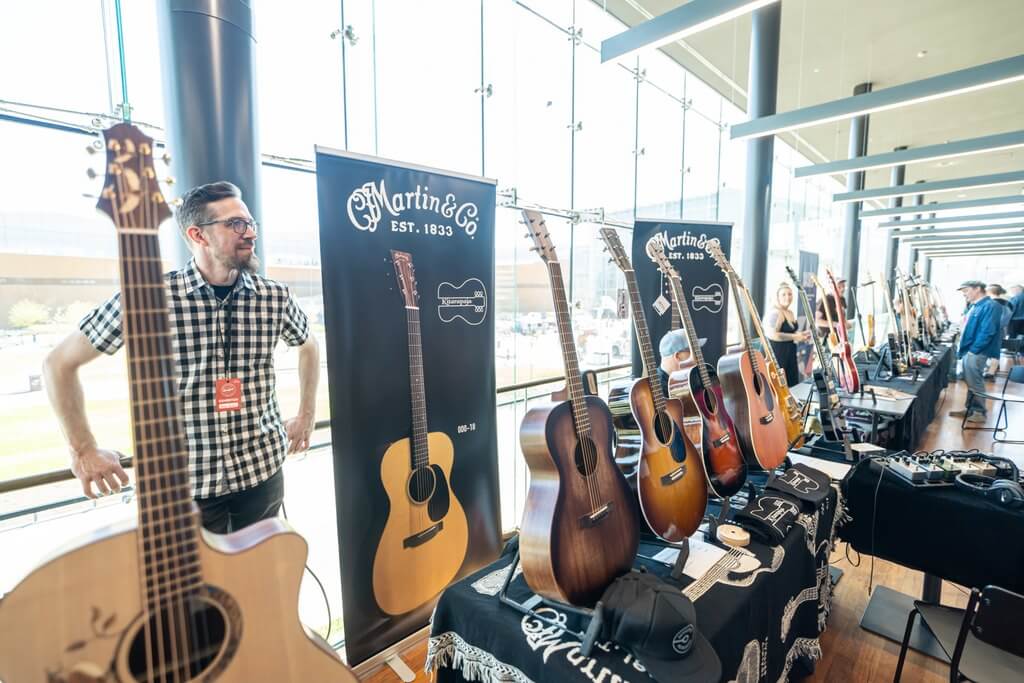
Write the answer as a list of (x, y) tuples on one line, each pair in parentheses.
[(586, 457), (421, 484), (197, 622), (663, 428)]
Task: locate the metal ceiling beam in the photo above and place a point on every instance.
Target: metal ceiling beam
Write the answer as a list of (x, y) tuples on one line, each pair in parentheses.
[(989, 180), (979, 242), (1006, 227), (685, 20), (968, 248), (945, 206), (963, 255), (977, 219), (935, 87), (946, 150)]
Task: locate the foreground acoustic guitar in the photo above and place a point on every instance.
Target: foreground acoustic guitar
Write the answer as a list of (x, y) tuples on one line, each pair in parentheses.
[(671, 482), (425, 538), (580, 529), (706, 415), (160, 601), (749, 395)]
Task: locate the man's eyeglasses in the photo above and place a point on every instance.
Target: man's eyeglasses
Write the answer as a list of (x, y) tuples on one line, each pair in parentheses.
[(239, 225)]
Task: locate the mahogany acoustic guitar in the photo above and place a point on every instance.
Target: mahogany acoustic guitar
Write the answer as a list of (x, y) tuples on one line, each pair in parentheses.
[(749, 395), (159, 600), (701, 394), (579, 529), (425, 537), (671, 483), (849, 375)]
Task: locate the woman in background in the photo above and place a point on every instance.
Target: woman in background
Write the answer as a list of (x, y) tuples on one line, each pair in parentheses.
[(783, 332)]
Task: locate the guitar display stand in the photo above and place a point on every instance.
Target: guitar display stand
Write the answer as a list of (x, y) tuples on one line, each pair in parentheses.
[(593, 617), (401, 669), (884, 363), (711, 535)]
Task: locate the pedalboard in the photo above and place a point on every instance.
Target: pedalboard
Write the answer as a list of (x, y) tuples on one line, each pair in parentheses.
[(927, 470)]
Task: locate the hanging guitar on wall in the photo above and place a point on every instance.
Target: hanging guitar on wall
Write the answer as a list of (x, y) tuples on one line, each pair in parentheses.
[(425, 538), (157, 600)]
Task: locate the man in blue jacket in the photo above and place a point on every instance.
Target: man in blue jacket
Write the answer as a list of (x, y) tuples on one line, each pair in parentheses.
[(979, 341), (1017, 306)]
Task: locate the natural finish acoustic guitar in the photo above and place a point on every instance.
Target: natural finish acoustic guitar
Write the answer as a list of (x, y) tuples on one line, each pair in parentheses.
[(706, 415), (671, 483), (160, 601), (749, 395), (580, 529), (425, 538)]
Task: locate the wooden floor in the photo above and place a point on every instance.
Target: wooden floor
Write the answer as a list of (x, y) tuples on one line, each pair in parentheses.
[(850, 653)]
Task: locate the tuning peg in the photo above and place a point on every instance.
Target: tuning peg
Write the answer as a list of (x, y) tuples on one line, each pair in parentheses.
[(91, 172), (526, 234), (534, 248), (166, 158), (169, 180)]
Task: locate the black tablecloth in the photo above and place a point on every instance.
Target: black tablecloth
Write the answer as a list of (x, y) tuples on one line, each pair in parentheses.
[(947, 532), (761, 607), (931, 381)]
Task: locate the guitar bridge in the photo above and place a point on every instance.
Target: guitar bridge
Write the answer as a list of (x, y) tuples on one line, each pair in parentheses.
[(422, 537), (723, 439), (767, 419), (594, 518), (673, 476)]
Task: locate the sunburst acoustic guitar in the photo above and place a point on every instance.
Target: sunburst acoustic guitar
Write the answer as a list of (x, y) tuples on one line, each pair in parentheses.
[(159, 600), (426, 535), (671, 484)]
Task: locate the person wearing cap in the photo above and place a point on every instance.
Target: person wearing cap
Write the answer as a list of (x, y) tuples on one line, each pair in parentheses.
[(675, 354), (1016, 326), (783, 332), (821, 320), (998, 295), (979, 341)]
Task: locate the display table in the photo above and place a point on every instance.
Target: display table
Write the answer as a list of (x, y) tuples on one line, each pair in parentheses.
[(761, 607), (913, 415), (944, 532)]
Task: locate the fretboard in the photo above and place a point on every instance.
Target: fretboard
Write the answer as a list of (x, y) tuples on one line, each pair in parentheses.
[(691, 331), (169, 551), (572, 367), (741, 323), (677, 321), (643, 338), (420, 455)]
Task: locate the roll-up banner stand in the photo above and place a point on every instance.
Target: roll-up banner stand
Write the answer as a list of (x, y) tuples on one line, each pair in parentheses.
[(704, 283), (408, 278), (808, 262)]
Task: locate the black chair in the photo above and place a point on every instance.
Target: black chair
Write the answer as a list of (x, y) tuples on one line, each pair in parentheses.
[(984, 642), (1016, 376)]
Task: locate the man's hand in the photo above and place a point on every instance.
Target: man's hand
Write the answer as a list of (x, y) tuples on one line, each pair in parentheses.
[(300, 429), (99, 467)]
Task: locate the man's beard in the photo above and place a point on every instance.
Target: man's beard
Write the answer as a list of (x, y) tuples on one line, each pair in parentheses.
[(250, 263)]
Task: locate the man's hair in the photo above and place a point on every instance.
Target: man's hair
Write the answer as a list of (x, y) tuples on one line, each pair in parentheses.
[(997, 289), (192, 210)]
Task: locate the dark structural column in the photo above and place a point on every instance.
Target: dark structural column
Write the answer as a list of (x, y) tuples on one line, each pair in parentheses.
[(896, 177), (208, 58), (927, 273), (913, 250), (854, 182), (762, 89)]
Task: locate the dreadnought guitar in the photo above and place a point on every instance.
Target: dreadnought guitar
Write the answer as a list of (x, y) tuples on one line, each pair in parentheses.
[(579, 529), (702, 399), (830, 410), (849, 375), (671, 483), (749, 395), (425, 538), (792, 413), (159, 600)]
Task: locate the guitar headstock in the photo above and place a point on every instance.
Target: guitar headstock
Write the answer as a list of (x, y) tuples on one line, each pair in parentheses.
[(794, 277), (656, 252), (537, 230), (406, 276), (714, 247), (832, 281), (131, 195), (615, 248)]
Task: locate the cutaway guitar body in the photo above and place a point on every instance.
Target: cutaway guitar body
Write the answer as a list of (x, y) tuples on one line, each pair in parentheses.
[(754, 407), (671, 482), (710, 425), (425, 538), (579, 529), (244, 622)]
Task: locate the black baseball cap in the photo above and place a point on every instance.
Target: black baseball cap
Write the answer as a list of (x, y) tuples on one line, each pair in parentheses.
[(658, 625)]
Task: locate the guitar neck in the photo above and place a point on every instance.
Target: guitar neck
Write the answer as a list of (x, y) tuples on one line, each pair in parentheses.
[(677, 320), (164, 496), (769, 352), (691, 331), (643, 337), (744, 333), (572, 367), (420, 456)]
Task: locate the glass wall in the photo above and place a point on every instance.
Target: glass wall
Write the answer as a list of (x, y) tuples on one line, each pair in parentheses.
[(512, 90)]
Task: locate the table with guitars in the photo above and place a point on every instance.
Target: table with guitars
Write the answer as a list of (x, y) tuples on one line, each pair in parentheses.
[(911, 415), (761, 607)]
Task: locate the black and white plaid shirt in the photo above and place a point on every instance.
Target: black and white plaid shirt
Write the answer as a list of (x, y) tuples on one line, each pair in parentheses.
[(228, 451)]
